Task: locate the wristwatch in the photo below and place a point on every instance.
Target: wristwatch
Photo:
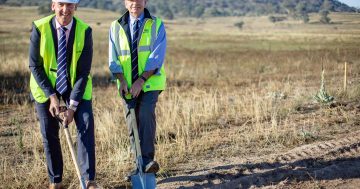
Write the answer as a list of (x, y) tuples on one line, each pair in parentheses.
[(73, 107)]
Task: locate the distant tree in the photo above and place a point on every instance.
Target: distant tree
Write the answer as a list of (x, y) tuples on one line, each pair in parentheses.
[(168, 14), (301, 12), (324, 18), (272, 8), (165, 10), (297, 9), (100, 4), (185, 6), (104, 4), (44, 8), (289, 7), (151, 8), (14, 3), (212, 12), (305, 18), (324, 12), (326, 5), (88, 3), (199, 11)]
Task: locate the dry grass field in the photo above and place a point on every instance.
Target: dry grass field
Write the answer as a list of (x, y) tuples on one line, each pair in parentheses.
[(239, 110)]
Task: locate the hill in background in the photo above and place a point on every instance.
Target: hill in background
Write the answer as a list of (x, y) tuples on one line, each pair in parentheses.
[(207, 8)]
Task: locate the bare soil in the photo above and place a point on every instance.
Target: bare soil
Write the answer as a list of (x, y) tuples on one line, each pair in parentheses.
[(326, 164), (331, 163)]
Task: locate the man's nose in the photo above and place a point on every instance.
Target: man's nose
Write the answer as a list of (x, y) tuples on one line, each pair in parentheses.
[(66, 7)]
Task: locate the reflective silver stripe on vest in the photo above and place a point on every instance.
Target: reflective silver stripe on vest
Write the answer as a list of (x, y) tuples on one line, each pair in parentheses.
[(140, 49), (125, 52), (116, 36), (144, 48), (153, 35)]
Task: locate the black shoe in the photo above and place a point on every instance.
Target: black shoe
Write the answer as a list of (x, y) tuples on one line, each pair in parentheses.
[(152, 167), (131, 173)]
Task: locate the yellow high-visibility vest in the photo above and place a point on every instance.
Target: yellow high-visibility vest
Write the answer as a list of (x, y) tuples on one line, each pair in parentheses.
[(48, 55), (148, 34)]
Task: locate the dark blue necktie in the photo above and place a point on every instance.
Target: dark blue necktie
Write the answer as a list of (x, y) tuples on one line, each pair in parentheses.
[(61, 80), (134, 52)]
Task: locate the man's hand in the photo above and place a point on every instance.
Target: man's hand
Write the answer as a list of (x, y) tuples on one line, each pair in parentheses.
[(68, 117), (123, 88), (137, 87), (54, 105)]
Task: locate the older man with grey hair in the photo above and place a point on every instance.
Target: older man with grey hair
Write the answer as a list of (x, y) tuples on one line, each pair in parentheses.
[(60, 61), (137, 48)]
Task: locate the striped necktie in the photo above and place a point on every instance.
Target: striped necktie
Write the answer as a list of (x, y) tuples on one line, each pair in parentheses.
[(61, 80), (134, 52)]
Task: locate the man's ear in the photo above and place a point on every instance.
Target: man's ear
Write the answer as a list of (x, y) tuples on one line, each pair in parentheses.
[(53, 6), (76, 6)]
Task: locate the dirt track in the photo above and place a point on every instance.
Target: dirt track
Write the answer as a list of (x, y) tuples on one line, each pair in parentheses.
[(329, 164)]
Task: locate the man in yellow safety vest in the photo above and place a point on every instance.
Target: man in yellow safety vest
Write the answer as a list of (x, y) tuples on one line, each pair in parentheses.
[(137, 46), (60, 61)]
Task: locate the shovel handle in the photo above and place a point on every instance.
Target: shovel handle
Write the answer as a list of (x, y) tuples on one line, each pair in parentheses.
[(136, 133), (72, 150), (138, 159)]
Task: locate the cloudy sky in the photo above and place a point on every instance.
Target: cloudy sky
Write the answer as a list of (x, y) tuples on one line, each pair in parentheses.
[(353, 3)]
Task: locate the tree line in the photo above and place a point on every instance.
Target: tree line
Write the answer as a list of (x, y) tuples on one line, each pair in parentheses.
[(209, 8)]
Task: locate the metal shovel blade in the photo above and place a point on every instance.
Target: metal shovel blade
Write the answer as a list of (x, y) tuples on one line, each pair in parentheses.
[(146, 179)]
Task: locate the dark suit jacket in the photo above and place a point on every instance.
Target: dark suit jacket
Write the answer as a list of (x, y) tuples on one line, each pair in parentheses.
[(83, 66)]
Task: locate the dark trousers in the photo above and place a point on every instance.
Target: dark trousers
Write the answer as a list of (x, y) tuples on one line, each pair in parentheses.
[(49, 126), (146, 120)]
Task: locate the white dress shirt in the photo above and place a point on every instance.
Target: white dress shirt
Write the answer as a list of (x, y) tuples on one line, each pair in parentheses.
[(68, 27)]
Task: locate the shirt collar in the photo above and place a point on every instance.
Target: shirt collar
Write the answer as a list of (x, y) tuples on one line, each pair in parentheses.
[(140, 18), (68, 27)]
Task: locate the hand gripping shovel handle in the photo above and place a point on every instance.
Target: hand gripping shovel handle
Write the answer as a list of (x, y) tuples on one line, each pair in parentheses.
[(71, 147)]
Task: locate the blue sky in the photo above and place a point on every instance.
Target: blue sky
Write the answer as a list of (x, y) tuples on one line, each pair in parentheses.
[(353, 3)]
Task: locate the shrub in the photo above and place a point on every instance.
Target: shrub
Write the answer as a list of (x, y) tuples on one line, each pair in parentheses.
[(274, 19), (324, 17), (239, 24)]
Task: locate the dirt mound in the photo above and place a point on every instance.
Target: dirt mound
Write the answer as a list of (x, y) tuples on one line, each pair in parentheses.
[(327, 161)]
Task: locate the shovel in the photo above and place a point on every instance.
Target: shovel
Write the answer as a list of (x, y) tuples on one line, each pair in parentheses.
[(71, 147), (140, 180)]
